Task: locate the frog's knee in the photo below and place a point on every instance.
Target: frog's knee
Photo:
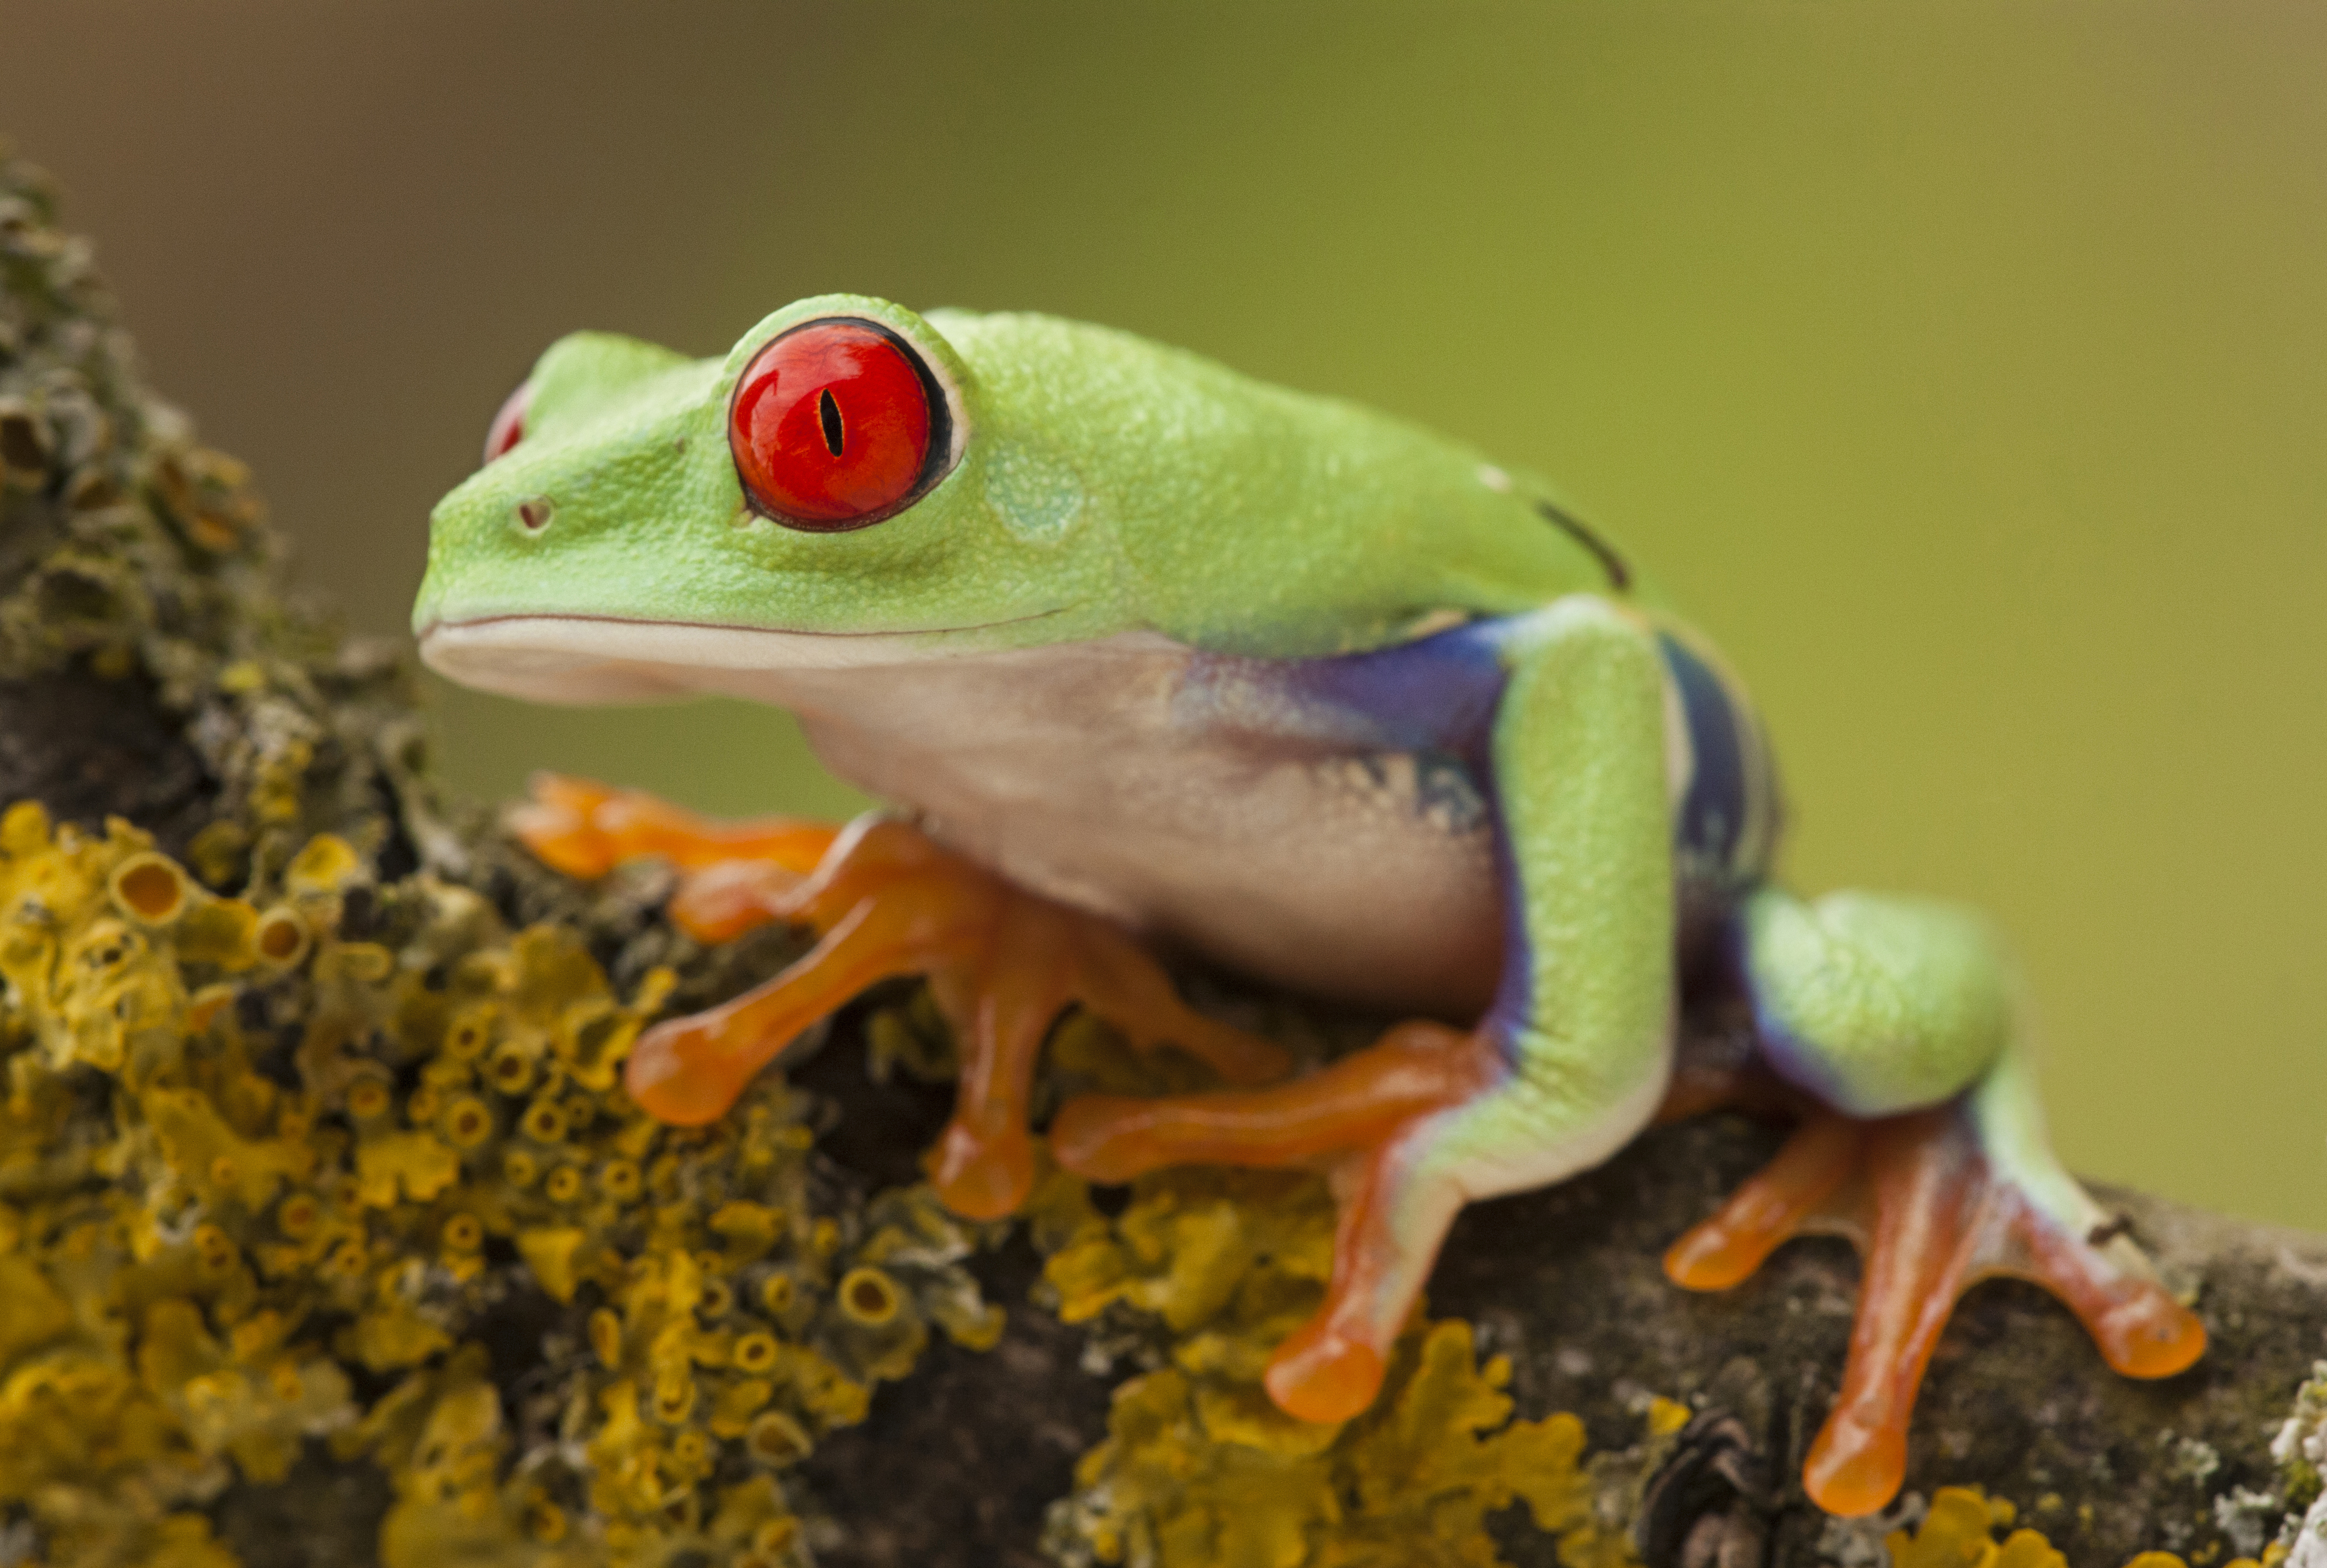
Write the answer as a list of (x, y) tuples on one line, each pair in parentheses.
[(1876, 1005)]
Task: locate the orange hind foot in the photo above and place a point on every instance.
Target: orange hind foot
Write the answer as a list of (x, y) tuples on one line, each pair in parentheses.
[(1933, 1211), (1376, 1119), (884, 900)]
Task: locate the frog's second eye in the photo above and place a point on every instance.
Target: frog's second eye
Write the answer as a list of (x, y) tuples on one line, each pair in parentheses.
[(835, 424), (508, 428)]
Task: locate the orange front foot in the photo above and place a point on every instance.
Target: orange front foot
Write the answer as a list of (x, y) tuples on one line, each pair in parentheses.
[(883, 900), (1934, 1212), (1375, 1116), (585, 829)]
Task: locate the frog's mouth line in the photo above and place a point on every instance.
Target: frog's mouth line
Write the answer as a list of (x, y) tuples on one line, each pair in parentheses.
[(609, 658)]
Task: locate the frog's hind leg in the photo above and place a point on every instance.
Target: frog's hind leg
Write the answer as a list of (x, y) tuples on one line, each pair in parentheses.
[(884, 901), (1567, 1066), (1410, 1129), (1376, 1120), (1936, 1165)]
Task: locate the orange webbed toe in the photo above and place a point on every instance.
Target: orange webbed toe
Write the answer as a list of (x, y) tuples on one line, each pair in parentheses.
[(585, 829), (558, 823), (1933, 1213), (1321, 1374), (726, 900), (1776, 1203)]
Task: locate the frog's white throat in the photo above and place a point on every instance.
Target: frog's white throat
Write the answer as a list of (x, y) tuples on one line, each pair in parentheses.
[(595, 659)]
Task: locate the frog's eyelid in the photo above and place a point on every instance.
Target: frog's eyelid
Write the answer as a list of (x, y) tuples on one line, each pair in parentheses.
[(508, 428)]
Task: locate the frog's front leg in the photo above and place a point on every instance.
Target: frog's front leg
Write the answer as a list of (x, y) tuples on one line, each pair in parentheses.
[(1568, 1063), (883, 900), (586, 828), (1922, 1140)]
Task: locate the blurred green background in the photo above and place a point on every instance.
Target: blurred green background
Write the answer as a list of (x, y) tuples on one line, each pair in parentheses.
[(1962, 367)]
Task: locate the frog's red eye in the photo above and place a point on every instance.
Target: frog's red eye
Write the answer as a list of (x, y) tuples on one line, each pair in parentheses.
[(835, 424), (508, 428)]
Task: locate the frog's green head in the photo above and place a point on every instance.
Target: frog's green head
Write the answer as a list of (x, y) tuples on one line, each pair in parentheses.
[(640, 515), (856, 483)]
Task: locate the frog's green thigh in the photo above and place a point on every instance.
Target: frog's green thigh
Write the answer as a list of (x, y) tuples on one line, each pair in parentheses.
[(1565, 1069), (1924, 1143), (1876, 1005)]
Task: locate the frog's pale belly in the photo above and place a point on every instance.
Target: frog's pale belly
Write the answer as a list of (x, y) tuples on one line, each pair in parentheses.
[(1231, 806), (1074, 772)]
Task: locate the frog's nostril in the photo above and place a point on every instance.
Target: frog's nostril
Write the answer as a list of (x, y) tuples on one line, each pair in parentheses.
[(534, 513)]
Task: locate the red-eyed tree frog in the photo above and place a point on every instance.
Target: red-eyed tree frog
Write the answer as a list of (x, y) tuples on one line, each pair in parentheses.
[(1147, 652)]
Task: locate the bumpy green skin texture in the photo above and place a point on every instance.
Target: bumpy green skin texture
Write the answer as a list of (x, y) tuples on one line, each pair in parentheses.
[(1579, 760), (1105, 484), (1901, 995), (1585, 708)]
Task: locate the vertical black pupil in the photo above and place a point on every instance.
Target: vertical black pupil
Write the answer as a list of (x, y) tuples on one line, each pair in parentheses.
[(829, 412)]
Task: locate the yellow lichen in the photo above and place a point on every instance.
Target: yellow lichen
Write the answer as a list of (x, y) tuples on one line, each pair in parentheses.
[(1192, 1475), (1958, 1532), (188, 1303), (453, 1502), (1198, 1467), (1231, 1261)]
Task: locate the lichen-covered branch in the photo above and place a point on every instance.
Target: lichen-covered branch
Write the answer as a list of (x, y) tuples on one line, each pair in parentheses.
[(327, 1235)]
